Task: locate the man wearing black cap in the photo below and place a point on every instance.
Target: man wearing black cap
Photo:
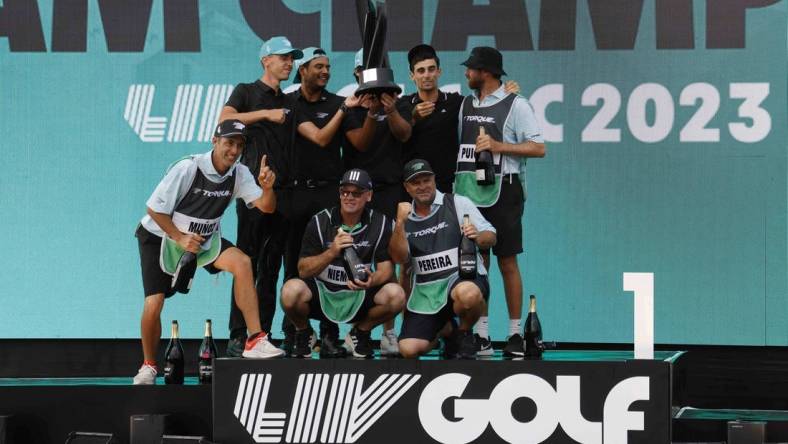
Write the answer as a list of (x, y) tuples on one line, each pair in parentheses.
[(325, 290), (504, 124), (184, 214), (427, 235), (324, 125)]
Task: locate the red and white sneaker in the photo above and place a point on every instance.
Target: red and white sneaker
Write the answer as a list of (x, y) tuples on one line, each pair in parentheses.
[(146, 375), (261, 348)]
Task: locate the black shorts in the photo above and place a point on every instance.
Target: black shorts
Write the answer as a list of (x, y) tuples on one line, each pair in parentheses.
[(507, 218), (316, 311), (386, 198), (424, 326), (154, 280)]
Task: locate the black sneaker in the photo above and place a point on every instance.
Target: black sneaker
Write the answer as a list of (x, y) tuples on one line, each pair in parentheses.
[(359, 342), (303, 343), (483, 345), (330, 347), (235, 346), (289, 341), (449, 346), (514, 347), (466, 345)]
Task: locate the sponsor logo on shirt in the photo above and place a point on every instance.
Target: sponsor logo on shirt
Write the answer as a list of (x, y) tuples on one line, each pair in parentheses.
[(206, 193), (480, 119), (321, 115), (431, 230)]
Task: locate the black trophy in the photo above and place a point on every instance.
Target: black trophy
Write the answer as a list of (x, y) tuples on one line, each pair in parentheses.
[(376, 77)]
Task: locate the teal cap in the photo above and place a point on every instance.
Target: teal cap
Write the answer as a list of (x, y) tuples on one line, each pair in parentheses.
[(279, 45), (310, 54)]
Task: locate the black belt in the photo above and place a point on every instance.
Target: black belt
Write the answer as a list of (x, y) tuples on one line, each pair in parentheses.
[(511, 177), (313, 183)]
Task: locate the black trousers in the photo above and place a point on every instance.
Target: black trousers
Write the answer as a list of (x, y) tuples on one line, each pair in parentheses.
[(264, 238), (273, 240)]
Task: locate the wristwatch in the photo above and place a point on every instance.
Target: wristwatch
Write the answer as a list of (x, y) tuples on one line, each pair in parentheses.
[(344, 108)]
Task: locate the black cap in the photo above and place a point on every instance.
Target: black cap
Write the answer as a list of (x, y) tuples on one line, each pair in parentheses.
[(416, 167), (229, 128), (357, 177), (486, 58)]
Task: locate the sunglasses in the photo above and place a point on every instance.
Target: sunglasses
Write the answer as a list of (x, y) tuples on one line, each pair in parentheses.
[(347, 193)]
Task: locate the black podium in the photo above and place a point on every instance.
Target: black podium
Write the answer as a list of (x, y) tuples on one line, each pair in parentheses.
[(583, 396)]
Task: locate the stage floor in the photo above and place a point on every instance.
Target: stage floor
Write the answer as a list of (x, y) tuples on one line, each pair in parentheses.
[(549, 355)]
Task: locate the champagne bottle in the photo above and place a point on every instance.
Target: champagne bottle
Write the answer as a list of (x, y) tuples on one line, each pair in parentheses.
[(485, 167), (184, 272), (467, 254), (533, 333), (206, 355), (354, 268), (173, 358)]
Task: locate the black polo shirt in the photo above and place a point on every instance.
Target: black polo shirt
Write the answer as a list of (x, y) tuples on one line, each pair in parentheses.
[(264, 137), (383, 157), (435, 138), (312, 161)]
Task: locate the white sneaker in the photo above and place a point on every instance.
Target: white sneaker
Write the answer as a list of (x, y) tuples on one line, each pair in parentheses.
[(389, 343), (261, 348), (146, 375)]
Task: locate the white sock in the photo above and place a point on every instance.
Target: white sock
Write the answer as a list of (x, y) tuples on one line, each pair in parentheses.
[(482, 327), (514, 327)]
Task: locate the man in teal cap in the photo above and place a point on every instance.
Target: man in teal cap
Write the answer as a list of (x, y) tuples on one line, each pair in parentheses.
[(266, 111)]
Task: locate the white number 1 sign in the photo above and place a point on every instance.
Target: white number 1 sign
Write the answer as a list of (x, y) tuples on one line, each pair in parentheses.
[(642, 284)]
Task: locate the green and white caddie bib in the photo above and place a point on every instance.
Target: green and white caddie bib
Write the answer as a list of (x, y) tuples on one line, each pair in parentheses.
[(434, 250), (493, 119), (338, 302), (199, 212)]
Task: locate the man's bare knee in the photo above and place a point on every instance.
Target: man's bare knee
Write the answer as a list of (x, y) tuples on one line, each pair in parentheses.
[(467, 295), (153, 304), (391, 295), (293, 292)]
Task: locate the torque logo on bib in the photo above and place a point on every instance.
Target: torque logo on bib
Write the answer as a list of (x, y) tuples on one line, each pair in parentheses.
[(480, 119), (430, 230)]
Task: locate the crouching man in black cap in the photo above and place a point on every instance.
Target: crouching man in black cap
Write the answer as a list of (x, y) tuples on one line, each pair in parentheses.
[(428, 233), (324, 290)]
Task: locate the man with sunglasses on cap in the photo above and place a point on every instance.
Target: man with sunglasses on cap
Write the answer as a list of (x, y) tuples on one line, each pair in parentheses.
[(324, 125), (184, 214), (427, 235), (383, 160), (505, 125), (325, 290)]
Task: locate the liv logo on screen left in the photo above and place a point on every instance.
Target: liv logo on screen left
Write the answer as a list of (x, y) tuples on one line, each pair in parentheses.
[(194, 112)]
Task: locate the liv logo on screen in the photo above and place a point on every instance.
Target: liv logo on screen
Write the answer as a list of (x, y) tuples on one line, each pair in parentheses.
[(195, 111), (554, 406), (333, 409)]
